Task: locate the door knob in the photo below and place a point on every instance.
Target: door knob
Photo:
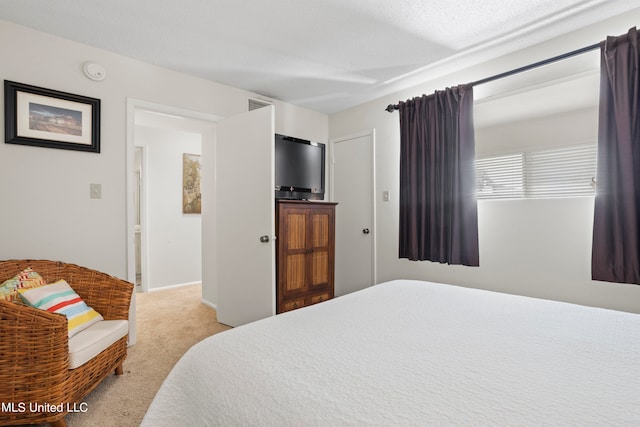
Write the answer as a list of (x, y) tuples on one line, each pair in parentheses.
[(264, 239), (365, 231)]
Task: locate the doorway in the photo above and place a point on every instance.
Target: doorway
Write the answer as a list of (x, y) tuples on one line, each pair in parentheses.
[(169, 220), (137, 191), (352, 177)]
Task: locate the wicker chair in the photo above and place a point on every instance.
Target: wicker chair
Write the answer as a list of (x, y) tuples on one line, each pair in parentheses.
[(34, 352)]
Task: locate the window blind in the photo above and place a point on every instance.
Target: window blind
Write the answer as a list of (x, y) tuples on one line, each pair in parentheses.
[(557, 172), (500, 177)]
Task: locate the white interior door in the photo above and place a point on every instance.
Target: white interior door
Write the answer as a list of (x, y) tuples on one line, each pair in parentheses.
[(244, 217), (353, 187)]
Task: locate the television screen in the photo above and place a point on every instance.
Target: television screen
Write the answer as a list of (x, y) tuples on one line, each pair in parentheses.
[(299, 168)]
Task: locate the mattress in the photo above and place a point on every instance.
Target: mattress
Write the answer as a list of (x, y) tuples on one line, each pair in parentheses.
[(413, 353)]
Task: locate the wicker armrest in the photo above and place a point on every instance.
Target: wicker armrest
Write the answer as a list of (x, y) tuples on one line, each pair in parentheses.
[(108, 295), (34, 354)]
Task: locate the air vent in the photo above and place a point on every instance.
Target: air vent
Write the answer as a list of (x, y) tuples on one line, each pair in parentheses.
[(254, 103)]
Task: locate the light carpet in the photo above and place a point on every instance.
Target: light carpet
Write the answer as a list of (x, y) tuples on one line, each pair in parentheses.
[(169, 322)]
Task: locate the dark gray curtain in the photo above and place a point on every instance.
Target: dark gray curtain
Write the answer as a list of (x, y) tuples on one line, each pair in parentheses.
[(438, 207), (616, 228)]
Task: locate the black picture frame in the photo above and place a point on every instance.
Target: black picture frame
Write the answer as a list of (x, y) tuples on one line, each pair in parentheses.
[(49, 118)]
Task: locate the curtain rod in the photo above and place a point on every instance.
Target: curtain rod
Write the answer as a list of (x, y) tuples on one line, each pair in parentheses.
[(392, 107)]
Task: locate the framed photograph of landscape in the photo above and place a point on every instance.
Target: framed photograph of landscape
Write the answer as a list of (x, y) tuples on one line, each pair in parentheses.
[(48, 118)]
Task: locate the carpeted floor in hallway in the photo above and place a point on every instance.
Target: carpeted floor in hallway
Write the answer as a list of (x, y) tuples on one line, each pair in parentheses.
[(169, 322)]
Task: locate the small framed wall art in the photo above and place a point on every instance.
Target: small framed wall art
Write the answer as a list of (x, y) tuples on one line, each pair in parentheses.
[(49, 118), (191, 194)]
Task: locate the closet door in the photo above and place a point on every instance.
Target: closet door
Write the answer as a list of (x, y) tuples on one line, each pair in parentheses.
[(244, 217), (353, 185)]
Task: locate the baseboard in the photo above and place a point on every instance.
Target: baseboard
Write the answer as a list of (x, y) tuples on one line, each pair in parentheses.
[(179, 285), (209, 304)]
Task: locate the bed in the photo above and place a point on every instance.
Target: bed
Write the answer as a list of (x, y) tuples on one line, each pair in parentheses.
[(413, 353)]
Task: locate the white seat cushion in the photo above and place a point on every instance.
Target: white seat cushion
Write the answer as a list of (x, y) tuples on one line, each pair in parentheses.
[(87, 344)]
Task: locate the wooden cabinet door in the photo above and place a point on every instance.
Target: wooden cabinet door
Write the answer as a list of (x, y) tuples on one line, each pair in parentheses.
[(320, 254), (293, 237)]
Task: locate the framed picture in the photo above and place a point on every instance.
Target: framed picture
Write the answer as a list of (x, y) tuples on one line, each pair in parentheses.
[(49, 118), (191, 194)]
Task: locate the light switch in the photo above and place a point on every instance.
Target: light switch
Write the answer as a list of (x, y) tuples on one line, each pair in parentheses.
[(385, 196), (95, 191)]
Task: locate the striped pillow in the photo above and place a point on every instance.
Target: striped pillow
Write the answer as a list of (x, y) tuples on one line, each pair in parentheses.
[(26, 279), (59, 298)]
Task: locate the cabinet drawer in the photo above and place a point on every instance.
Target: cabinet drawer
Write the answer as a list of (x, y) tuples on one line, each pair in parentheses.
[(314, 299), (292, 304)]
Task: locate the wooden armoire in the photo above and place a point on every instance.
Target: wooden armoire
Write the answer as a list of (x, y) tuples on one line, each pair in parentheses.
[(305, 254)]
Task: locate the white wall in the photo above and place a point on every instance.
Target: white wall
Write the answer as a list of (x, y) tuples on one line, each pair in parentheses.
[(173, 239), (570, 128), (47, 212), (537, 248)]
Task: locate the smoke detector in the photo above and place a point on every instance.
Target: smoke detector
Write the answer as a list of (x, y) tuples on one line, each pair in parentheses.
[(94, 71)]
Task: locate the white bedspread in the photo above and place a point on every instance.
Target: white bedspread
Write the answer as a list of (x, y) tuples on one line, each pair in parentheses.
[(413, 353)]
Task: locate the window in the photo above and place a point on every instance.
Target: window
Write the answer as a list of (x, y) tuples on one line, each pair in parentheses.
[(557, 172), (500, 177)]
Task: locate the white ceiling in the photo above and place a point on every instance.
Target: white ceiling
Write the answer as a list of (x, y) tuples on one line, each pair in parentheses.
[(326, 55)]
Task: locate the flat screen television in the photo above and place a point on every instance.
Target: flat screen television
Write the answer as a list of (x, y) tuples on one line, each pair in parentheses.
[(299, 168)]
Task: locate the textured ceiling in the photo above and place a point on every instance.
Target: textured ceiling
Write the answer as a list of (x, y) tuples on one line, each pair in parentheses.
[(326, 55)]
